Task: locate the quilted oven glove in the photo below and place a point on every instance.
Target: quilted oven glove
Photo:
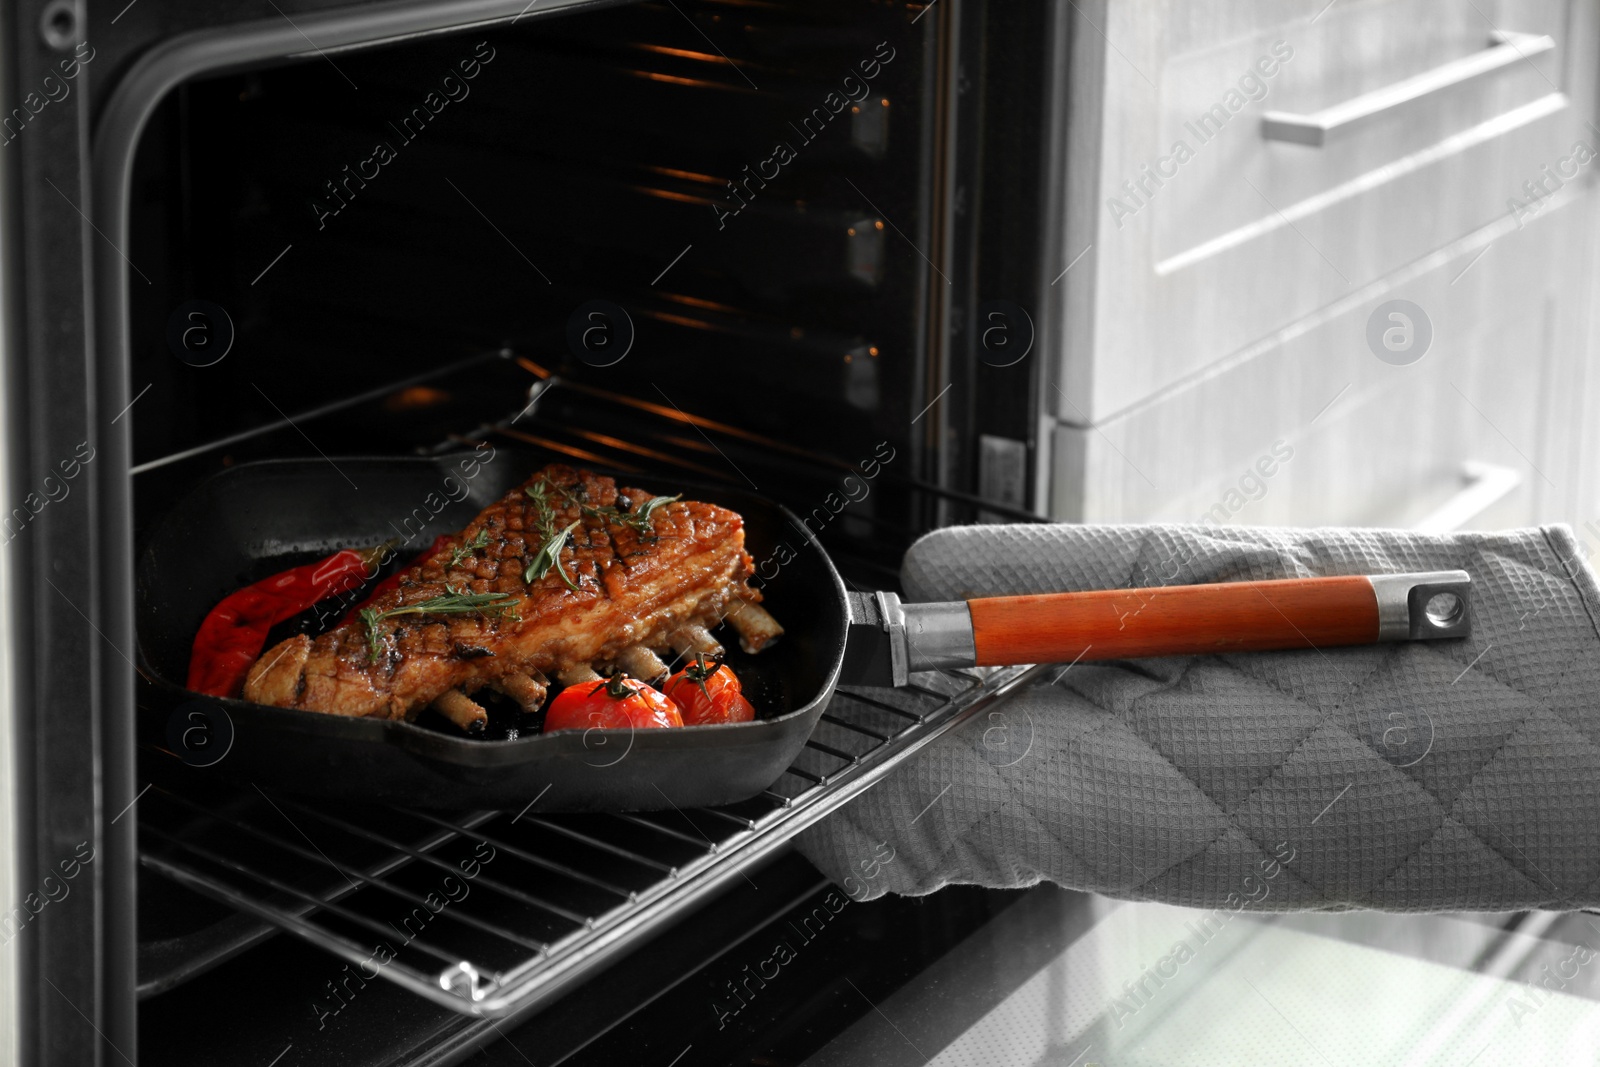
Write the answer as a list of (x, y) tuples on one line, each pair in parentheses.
[(1428, 776)]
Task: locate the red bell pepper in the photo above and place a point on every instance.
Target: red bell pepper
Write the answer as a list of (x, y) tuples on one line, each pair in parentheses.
[(233, 634)]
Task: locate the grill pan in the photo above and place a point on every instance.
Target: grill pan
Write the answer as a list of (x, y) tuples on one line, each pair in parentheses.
[(255, 519)]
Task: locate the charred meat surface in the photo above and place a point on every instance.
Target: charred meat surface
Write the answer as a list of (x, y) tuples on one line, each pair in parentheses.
[(565, 572)]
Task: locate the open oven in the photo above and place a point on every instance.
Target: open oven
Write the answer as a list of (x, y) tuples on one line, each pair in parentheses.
[(800, 248), (720, 241)]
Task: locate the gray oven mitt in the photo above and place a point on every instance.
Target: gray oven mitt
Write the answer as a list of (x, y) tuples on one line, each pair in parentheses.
[(1447, 775)]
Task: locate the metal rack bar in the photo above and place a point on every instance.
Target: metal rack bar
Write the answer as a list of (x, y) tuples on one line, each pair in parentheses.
[(737, 820), (616, 850), (338, 909), (572, 451), (607, 441), (331, 940), (536, 860), (770, 447), (882, 706), (858, 728), (830, 750), (669, 831), (373, 880), (754, 848), (491, 883)]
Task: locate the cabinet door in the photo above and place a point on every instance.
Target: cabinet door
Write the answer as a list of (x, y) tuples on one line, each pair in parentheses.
[(1316, 428), (1206, 239)]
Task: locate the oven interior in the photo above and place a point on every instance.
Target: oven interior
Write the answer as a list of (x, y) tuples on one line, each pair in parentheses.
[(393, 251), (359, 239)]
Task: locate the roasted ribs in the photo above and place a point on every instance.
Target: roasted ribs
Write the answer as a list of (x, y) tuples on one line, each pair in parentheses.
[(510, 602)]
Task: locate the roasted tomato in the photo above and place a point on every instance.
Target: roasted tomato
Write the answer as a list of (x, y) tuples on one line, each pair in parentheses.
[(708, 692), (613, 704)]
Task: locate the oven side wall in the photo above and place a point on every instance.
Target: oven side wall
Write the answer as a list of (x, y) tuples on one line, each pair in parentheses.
[(10, 842), (70, 943)]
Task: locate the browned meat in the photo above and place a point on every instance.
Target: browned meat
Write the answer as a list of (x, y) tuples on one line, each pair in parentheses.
[(630, 576)]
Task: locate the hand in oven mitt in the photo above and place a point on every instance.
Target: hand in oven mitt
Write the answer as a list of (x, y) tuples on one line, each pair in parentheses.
[(1425, 776)]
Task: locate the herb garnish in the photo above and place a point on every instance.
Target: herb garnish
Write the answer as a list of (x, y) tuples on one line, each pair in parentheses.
[(538, 491), (453, 602), (638, 519), (468, 548), (552, 541), (549, 555)]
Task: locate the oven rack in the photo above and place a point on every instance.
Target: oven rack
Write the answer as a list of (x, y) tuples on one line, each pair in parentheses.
[(498, 912), (564, 894)]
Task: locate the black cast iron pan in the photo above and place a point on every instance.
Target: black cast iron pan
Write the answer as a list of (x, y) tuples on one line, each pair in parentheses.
[(259, 518)]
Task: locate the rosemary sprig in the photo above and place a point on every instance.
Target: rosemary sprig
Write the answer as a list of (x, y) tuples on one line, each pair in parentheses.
[(549, 555), (468, 548), (453, 602), (636, 519), (540, 492), (640, 518), (552, 541), (573, 499)]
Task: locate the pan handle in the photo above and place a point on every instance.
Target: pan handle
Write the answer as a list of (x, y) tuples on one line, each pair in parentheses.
[(1161, 621)]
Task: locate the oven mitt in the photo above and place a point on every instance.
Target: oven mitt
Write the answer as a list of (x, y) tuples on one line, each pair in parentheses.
[(1427, 776)]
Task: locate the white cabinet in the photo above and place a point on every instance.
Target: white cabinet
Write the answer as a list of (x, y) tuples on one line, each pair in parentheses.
[(1224, 304)]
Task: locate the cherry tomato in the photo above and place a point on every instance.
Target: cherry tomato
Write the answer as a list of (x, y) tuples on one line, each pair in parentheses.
[(620, 702), (708, 692)]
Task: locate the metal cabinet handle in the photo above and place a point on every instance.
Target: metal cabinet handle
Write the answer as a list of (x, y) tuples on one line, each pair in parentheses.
[(1485, 484), (1336, 121)]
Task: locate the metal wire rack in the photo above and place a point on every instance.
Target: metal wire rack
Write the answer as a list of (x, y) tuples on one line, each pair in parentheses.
[(490, 913)]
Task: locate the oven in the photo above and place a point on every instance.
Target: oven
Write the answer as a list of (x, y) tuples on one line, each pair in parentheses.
[(753, 242), (735, 242)]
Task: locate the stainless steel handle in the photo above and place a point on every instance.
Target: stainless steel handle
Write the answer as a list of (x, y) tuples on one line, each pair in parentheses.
[(1426, 606), (1323, 126), (1486, 484), (890, 639)]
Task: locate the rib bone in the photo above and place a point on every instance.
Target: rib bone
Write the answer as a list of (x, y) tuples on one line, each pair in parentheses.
[(756, 626), (692, 639), (528, 690), (639, 662), (461, 710), (578, 675)]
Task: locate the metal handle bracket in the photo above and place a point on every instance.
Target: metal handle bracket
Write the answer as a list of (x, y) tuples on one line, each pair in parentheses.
[(1428, 606)]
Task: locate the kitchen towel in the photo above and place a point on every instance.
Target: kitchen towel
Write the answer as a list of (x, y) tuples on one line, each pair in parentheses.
[(1426, 776)]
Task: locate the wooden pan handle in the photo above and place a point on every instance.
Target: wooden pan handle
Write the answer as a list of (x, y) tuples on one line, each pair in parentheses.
[(889, 640), (1174, 620)]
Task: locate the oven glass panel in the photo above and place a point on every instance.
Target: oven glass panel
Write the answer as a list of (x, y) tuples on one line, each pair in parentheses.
[(1063, 978)]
